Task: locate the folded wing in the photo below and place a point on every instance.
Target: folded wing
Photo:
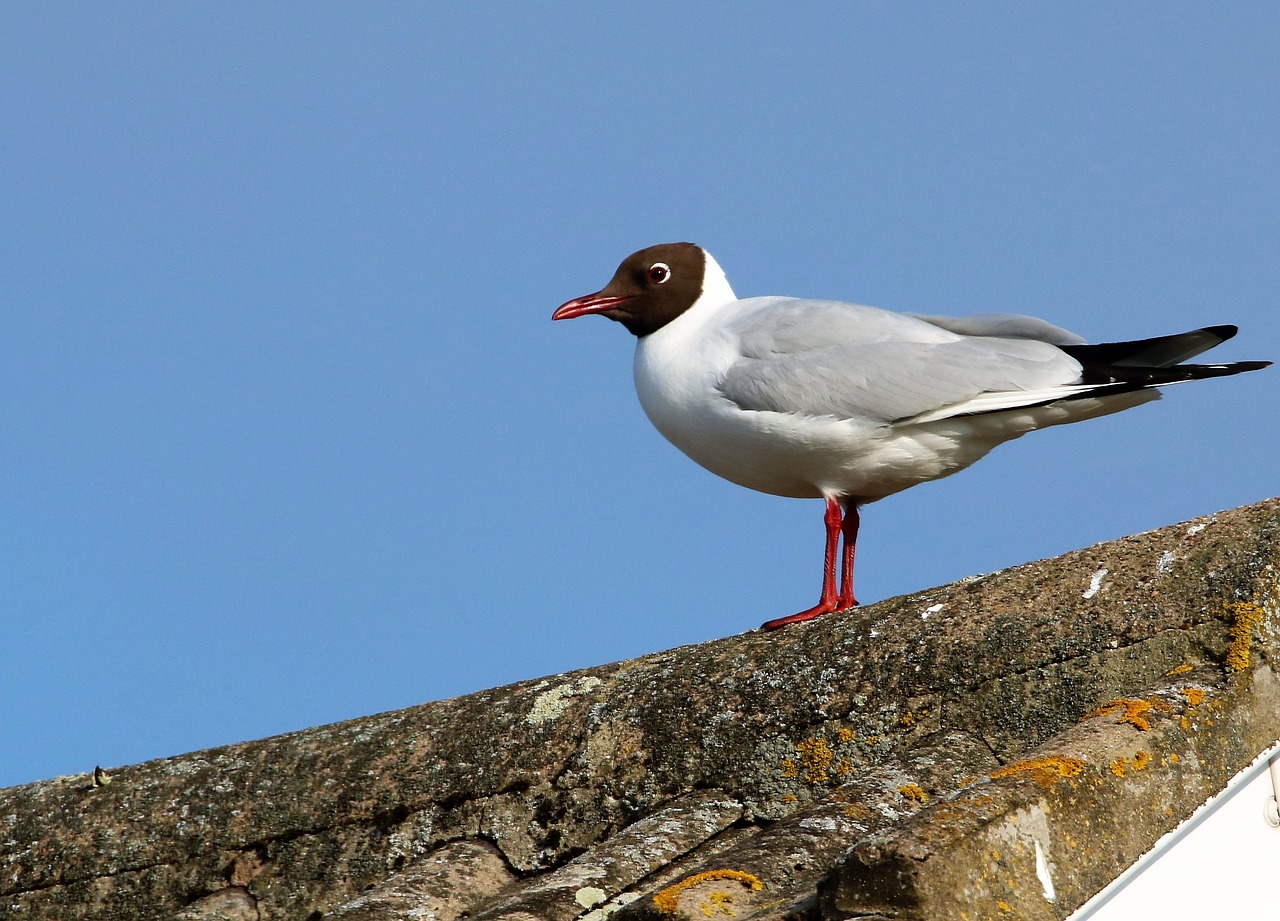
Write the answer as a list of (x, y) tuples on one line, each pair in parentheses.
[(847, 361)]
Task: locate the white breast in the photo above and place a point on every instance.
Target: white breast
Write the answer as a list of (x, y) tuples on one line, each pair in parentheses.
[(677, 370)]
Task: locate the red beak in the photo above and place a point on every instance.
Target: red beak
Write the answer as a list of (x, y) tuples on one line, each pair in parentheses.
[(589, 303)]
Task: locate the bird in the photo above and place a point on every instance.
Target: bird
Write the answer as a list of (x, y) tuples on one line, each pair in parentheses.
[(848, 403)]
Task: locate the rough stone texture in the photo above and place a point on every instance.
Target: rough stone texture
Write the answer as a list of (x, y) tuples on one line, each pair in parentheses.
[(1001, 747), (449, 883)]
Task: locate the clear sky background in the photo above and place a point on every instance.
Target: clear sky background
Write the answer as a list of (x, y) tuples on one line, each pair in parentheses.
[(286, 433)]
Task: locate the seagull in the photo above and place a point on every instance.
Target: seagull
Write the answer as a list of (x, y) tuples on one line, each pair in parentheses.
[(849, 404)]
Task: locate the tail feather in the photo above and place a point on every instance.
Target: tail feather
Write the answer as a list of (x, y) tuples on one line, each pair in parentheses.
[(1110, 370), (1157, 361), (1158, 377)]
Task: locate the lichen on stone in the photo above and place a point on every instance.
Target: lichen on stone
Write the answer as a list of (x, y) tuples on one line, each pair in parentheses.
[(1045, 771), (550, 705), (1132, 711), (1121, 765), (1195, 696), (913, 792), (1245, 618), (815, 762), (718, 903), (668, 900)]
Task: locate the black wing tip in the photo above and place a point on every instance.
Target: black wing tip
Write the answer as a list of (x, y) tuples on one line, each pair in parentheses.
[(1234, 367), (1200, 372), (1224, 332)]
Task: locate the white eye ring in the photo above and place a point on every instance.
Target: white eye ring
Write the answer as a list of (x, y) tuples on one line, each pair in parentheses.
[(659, 273)]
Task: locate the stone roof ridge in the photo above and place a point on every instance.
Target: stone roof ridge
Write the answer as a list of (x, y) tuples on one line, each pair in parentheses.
[(1004, 746)]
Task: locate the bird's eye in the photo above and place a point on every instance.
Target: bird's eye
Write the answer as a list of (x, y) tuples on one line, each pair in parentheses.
[(659, 272)]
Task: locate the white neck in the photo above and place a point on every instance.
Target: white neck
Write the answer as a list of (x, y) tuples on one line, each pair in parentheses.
[(715, 286)]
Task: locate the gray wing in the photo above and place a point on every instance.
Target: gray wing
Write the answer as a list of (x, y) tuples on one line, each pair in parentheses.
[(825, 358), (1005, 326)]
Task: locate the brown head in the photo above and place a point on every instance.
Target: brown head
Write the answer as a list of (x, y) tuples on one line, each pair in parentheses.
[(650, 289)]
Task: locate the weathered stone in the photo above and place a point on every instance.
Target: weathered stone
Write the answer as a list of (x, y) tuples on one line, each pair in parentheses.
[(857, 762), (231, 904), (794, 854), (618, 863), (447, 884), (1036, 839)]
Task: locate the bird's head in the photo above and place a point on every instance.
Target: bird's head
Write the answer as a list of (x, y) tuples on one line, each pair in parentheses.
[(650, 289)]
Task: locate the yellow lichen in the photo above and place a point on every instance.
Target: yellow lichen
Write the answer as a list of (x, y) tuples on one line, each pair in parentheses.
[(1123, 764), (913, 792), (718, 903), (1044, 771), (668, 900), (816, 758), (1003, 905), (857, 811), (909, 718), (948, 814), (1179, 670), (845, 735), (789, 798), (790, 768), (1194, 696), (1132, 711), (1245, 617)]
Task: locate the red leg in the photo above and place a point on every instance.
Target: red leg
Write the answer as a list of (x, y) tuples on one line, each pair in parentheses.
[(830, 600), (850, 532)]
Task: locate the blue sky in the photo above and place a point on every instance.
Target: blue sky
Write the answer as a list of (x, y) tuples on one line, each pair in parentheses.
[(288, 436)]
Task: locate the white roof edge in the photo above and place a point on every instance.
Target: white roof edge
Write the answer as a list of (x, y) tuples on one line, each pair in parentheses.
[(1268, 760)]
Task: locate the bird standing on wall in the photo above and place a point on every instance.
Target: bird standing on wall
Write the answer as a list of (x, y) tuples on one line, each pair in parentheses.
[(849, 404)]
